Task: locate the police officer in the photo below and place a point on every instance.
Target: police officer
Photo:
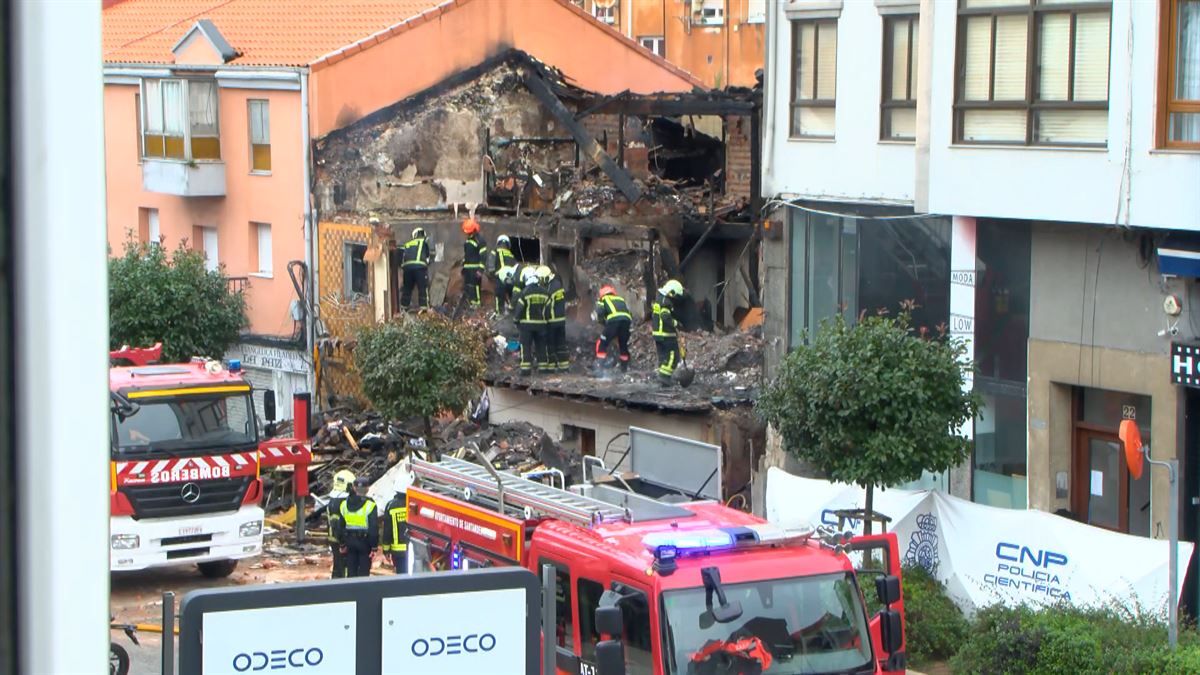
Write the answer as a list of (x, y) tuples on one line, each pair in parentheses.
[(416, 270), (556, 319), (342, 482), (613, 314), (532, 309), (474, 251), (499, 259), (358, 530), (395, 532), (665, 329)]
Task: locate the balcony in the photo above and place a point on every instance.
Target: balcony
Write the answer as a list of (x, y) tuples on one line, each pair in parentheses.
[(204, 178)]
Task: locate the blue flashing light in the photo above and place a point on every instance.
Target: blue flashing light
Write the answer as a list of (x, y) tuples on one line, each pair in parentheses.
[(456, 558), (682, 543), (235, 365)]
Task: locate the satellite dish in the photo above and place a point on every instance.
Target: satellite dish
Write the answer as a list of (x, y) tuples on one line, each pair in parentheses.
[(1132, 439)]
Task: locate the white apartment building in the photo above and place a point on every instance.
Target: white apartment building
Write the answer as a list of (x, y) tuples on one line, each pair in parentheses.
[(1029, 172)]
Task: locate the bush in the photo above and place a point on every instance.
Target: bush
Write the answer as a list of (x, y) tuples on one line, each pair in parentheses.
[(1068, 640), (936, 626)]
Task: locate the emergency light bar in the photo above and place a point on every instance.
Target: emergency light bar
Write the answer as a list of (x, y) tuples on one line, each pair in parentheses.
[(699, 542)]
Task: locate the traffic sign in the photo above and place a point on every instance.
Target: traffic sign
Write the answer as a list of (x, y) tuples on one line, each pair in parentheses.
[(448, 623)]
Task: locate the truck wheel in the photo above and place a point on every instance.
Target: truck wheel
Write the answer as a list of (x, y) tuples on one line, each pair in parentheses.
[(217, 569), (118, 660)]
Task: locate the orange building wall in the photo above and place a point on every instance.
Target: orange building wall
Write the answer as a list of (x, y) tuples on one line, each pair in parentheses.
[(276, 199), (420, 57), (718, 55)]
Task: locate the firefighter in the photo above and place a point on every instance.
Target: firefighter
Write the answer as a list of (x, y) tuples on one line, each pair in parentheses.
[(498, 259), (358, 530), (474, 252), (665, 329), (416, 270), (342, 482), (532, 309), (395, 532), (613, 314), (556, 319), (506, 281)]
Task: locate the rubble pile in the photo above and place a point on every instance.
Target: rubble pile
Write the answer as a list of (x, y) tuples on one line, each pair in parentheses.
[(359, 440), (516, 447)]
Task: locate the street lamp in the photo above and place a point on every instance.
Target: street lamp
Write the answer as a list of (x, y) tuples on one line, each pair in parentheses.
[(1135, 454)]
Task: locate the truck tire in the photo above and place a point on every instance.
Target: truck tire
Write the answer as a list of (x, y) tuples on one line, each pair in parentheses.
[(217, 569), (118, 660)]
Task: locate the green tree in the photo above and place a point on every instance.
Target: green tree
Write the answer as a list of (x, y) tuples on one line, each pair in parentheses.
[(171, 298), (874, 403), (419, 366)]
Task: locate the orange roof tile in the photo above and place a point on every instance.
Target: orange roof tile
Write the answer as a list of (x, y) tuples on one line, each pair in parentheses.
[(264, 32)]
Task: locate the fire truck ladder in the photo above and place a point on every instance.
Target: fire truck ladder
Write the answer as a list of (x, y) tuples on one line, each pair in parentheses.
[(516, 497)]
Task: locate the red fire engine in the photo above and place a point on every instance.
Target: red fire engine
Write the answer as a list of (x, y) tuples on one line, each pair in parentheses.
[(186, 461), (702, 588)]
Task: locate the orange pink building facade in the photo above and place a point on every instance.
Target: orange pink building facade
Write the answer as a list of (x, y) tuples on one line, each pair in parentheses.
[(211, 107)]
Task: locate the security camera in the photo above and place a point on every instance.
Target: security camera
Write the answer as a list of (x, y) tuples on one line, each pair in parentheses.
[(1174, 331)]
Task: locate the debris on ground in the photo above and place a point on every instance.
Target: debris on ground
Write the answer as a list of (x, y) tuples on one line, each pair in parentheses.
[(516, 447)]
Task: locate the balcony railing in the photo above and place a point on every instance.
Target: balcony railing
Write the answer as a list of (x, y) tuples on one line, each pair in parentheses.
[(237, 284)]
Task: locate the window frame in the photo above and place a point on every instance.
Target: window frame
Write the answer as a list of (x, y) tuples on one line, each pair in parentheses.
[(258, 227), (348, 292), (709, 12), (187, 119), (793, 103), (250, 104), (659, 40), (1032, 9), (887, 102), (1168, 52), (605, 15)]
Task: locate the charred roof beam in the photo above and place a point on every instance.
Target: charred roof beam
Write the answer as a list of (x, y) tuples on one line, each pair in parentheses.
[(667, 107), (620, 177)]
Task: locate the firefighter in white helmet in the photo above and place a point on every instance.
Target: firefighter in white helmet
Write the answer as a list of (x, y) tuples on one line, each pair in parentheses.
[(416, 270), (342, 482)]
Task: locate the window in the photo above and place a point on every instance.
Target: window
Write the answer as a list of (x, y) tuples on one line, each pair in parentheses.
[(180, 120), (635, 611), (899, 115), (354, 279), (607, 14), (260, 136), (589, 593), (1033, 72), (262, 247), (1179, 74), (148, 229), (814, 77), (654, 43), (137, 105), (844, 264), (756, 11), (204, 239), (565, 629), (710, 12)]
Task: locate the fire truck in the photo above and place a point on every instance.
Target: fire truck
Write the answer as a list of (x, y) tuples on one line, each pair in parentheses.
[(187, 456), (701, 588)]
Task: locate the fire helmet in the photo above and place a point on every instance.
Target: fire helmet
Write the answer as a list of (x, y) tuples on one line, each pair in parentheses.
[(503, 240), (342, 480), (418, 233), (530, 276), (544, 273), (470, 226), (671, 289), (607, 289), (508, 274)]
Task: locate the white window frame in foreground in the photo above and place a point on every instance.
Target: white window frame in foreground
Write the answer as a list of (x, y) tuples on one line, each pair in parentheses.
[(813, 109)]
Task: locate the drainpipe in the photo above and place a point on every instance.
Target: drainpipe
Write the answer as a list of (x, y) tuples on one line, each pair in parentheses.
[(768, 103), (310, 257), (924, 101)]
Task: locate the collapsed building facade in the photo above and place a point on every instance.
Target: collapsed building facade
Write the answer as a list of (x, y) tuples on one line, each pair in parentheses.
[(627, 190)]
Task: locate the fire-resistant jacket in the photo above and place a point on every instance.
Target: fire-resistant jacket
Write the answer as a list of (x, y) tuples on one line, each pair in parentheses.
[(473, 252), (416, 253), (395, 526), (665, 326), (557, 312), (359, 525), (612, 308), (333, 518), (533, 305)]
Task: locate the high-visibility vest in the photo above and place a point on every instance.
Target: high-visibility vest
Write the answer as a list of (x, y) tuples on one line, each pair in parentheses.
[(415, 253), (355, 522), (612, 307), (398, 524), (664, 322)]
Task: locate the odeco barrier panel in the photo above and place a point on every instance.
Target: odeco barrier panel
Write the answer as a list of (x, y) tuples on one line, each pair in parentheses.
[(450, 623)]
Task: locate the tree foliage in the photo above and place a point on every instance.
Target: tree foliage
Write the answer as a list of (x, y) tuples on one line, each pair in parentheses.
[(171, 298), (873, 403), (419, 366)]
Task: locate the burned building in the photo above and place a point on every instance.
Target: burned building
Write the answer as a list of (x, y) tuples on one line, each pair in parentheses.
[(628, 190)]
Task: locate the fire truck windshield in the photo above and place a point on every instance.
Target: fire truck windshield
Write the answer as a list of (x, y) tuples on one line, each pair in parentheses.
[(799, 625), (186, 424)]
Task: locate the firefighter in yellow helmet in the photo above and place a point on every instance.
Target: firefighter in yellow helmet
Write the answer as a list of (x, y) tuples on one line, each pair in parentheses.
[(665, 330), (342, 482)]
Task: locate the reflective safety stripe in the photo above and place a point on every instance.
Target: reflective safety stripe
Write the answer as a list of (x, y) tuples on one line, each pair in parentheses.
[(477, 262), (356, 521), (661, 316), (418, 259), (397, 520), (613, 311)]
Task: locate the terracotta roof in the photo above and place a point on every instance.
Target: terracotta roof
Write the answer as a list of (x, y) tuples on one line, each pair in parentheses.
[(264, 32)]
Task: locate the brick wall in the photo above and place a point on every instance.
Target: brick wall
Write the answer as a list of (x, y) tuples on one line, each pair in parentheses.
[(737, 156)]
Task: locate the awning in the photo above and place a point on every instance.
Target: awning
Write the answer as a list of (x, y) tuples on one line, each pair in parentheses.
[(1179, 261)]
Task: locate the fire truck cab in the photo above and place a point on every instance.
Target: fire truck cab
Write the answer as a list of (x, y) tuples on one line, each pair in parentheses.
[(702, 588), (185, 465)]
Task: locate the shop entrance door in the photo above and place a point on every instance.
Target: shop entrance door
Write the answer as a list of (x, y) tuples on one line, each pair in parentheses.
[(1101, 497)]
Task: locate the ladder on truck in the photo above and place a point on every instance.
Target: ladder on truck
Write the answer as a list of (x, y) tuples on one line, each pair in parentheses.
[(513, 496)]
